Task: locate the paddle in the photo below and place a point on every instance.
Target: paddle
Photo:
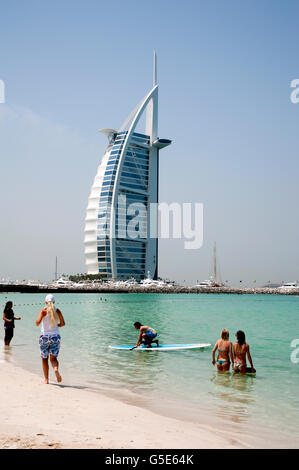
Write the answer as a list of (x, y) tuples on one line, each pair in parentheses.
[(142, 342)]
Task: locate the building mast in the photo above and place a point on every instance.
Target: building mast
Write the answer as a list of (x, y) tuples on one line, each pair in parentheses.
[(155, 69)]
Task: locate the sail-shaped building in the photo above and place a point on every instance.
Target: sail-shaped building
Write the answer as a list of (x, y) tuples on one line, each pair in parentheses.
[(121, 239)]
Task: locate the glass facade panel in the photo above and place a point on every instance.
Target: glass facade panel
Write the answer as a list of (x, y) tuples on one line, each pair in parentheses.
[(129, 252)]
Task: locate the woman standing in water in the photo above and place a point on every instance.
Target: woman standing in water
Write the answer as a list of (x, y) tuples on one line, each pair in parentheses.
[(51, 320), (225, 351), (241, 348), (9, 322)]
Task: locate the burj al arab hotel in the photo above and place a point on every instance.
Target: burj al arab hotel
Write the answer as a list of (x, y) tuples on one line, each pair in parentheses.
[(125, 187)]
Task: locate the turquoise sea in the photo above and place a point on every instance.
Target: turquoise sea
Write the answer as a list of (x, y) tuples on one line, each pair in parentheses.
[(261, 411)]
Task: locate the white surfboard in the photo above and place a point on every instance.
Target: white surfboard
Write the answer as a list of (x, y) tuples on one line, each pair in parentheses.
[(162, 347)]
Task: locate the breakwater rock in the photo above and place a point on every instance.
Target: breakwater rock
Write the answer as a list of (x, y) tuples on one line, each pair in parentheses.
[(108, 289)]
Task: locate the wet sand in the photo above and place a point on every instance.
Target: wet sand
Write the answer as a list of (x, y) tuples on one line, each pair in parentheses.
[(63, 416)]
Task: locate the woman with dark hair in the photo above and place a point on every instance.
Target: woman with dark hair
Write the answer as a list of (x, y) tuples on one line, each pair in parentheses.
[(146, 335), (241, 348), (225, 351), (9, 322)]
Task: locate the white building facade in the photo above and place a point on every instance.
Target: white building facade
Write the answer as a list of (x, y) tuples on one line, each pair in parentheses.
[(120, 237)]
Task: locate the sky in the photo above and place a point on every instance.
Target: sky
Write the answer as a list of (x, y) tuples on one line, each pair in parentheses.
[(224, 74)]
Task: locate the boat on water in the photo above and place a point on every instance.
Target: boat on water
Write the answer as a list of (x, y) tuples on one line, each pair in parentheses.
[(149, 282), (289, 286), (152, 283), (64, 282), (131, 282), (61, 282), (35, 284), (212, 281), (113, 283), (206, 283)]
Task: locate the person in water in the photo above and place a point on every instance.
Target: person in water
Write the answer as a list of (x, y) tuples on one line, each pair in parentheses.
[(9, 322), (147, 335), (240, 349), (225, 351), (51, 319)]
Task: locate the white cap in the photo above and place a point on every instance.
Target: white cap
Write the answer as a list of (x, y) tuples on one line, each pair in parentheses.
[(50, 298)]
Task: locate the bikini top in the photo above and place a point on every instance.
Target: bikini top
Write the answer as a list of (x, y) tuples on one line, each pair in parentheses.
[(224, 350)]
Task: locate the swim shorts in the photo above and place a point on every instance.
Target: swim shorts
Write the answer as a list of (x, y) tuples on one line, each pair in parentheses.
[(49, 344), (151, 335)]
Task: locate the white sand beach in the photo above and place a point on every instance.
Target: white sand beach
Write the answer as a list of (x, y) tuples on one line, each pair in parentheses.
[(61, 416)]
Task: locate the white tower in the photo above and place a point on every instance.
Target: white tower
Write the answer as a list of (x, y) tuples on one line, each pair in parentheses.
[(129, 171)]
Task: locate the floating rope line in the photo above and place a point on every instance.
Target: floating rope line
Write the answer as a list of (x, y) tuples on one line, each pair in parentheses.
[(63, 303)]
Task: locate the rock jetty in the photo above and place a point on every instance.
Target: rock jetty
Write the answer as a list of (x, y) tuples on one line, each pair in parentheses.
[(170, 289)]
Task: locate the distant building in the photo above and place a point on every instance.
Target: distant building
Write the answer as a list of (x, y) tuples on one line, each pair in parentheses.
[(126, 183)]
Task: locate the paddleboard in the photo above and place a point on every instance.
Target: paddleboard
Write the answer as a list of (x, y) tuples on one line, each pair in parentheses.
[(249, 372), (162, 347)]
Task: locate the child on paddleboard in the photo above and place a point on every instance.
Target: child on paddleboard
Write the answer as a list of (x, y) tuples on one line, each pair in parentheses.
[(147, 335)]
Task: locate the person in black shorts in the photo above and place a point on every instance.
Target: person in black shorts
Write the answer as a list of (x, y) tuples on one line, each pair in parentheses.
[(9, 322)]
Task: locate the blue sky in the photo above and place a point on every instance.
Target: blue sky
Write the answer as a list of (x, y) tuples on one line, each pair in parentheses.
[(224, 73)]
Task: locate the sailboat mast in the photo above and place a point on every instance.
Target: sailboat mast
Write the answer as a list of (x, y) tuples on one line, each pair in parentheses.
[(56, 268), (215, 264)]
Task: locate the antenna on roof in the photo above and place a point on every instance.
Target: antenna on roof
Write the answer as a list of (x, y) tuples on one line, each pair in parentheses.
[(155, 69)]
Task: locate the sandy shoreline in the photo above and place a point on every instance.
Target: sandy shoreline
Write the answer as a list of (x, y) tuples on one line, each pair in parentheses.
[(36, 416)]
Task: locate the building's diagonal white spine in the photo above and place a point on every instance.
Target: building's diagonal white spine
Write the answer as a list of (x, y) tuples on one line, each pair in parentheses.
[(129, 173)]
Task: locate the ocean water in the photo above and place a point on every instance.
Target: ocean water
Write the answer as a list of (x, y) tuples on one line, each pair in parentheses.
[(261, 411)]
